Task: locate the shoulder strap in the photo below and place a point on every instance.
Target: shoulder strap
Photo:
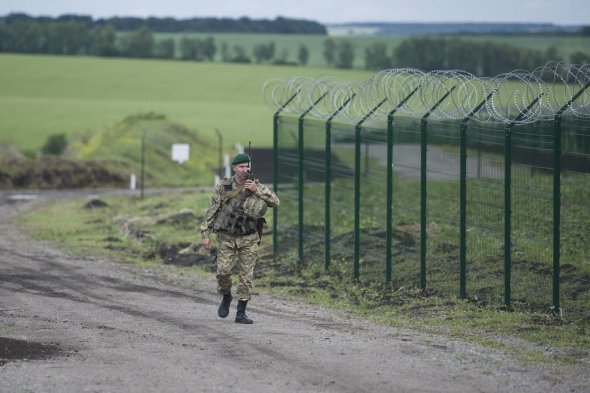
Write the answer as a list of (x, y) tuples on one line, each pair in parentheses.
[(231, 194)]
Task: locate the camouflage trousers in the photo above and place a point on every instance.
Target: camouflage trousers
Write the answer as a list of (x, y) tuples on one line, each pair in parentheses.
[(244, 251)]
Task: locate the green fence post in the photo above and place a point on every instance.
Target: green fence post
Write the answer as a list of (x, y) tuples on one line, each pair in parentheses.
[(328, 185), (389, 202), (357, 189), (423, 152), (556, 212), (275, 179), (301, 174), (507, 215), (275, 169), (463, 200), (557, 200), (423, 163), (508, 202), (389, 207), (300, 183)]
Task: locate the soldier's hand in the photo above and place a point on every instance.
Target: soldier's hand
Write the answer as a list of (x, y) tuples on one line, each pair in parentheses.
[(206, 244), (251, 185)]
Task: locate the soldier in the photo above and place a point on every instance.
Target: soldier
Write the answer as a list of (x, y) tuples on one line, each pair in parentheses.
[(235, 214)]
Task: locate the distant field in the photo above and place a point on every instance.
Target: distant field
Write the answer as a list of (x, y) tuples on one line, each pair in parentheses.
[(44, 95), (565, 45)]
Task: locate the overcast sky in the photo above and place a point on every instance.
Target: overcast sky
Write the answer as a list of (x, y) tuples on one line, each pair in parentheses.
[(561, 12)]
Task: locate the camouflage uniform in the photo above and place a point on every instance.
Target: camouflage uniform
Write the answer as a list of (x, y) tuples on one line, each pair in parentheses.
[(236, 233)]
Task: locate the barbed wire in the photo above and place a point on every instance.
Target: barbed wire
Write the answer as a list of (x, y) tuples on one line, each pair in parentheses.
[(519, 96)]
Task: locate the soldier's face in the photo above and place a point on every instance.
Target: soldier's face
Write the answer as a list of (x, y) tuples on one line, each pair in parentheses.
[(241, 170)]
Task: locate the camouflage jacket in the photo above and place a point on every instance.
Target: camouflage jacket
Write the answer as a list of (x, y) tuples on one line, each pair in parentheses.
[(219, 197)]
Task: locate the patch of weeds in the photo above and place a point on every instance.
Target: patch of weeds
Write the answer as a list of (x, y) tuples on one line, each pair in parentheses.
[(9, 328)]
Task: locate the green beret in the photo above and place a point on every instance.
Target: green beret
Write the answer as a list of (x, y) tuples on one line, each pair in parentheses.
[(240, 159)]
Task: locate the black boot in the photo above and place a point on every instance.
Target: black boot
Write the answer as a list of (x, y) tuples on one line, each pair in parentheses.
[(224, 306), (241, 316)]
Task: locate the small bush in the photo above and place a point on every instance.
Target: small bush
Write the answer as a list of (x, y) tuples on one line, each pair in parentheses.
[(55, 145)]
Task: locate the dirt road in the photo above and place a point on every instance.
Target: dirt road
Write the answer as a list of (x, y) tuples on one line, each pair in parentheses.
[(94, 325)]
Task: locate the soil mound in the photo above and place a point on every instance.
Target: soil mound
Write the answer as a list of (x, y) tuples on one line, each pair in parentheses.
[(57, 172)]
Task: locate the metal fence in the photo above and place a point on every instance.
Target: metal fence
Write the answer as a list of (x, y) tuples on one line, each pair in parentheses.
[(478, 187)]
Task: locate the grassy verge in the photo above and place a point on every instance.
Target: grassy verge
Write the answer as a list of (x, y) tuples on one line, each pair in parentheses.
[(163, 229)]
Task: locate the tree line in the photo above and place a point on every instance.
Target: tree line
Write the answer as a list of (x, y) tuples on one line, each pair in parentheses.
[(428, 54), (72, 36), (279, 25), (479, 58)]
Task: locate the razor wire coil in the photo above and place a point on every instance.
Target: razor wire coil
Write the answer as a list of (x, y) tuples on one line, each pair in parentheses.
[(516, 97)]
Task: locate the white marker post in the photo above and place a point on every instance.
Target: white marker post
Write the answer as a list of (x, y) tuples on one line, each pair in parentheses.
[(133, 182)]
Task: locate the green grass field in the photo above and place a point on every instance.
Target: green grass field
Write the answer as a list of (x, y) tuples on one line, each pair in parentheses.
[(44, 95)]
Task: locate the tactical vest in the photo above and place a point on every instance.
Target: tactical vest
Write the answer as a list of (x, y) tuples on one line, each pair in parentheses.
[(231, 217)]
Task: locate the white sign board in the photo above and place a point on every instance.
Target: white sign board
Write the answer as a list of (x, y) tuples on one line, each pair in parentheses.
[(180, 152)]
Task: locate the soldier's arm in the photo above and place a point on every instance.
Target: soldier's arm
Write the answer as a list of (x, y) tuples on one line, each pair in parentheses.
[(265, 193), (214, 206)]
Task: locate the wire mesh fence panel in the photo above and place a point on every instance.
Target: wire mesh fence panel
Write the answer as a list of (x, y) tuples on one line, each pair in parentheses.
[(341, 202), (485, 212), (575, 218), (286, 172), (314, 176), (532, 215), (442, 206), (406, 202), (373, 188)]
